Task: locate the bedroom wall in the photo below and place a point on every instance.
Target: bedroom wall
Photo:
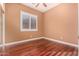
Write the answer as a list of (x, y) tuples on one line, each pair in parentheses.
[(1, 24), (12, 21), (78, 21), (61, 23)]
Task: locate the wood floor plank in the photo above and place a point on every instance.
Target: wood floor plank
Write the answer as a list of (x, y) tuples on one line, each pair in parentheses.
[(41, 47)]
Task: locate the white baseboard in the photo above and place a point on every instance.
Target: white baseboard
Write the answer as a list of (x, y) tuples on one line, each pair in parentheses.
[(18, 42), (62, 42)]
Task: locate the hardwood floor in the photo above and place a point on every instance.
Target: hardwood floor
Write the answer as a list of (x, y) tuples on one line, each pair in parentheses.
[(41, 47)]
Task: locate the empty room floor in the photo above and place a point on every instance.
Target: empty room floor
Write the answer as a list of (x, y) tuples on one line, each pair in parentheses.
[(41, 47)]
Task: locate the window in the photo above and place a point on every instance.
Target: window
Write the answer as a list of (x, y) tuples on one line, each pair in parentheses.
[(28, 22)]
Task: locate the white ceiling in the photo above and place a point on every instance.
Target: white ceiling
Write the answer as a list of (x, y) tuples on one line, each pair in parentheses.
[(41, 6)]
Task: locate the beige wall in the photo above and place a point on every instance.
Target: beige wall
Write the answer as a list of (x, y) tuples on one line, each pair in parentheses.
[(1, 12), (61, 23), (13, 32), (0, 24)]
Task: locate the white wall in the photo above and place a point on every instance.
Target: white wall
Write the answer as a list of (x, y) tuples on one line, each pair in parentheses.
[(1, 22)]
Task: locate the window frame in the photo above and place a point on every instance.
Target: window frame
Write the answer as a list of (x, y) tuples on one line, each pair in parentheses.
[(21, 22)]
